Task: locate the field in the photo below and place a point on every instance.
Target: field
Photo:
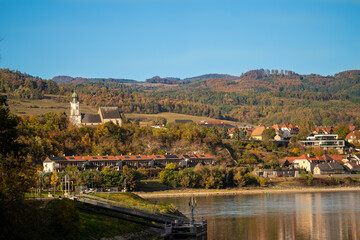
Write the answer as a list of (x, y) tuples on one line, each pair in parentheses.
[(58, 103), (170, 117), (51, 103)]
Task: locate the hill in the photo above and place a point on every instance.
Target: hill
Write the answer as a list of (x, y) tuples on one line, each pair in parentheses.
[(259, 96), (171, 80), (77, 80)]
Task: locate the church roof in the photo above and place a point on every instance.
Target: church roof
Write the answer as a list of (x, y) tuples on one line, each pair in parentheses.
[(90, 118), (110, 112)]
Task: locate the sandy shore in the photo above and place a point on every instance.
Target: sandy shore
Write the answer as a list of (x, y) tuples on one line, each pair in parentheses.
[(212, 192)]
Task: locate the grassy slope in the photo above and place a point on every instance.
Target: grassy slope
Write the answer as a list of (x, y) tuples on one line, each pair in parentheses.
[(52, 104), (96, 226), (40, 106), (136, 201), (170, 117)]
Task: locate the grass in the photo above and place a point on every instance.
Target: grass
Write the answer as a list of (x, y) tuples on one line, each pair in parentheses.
[(58, 104), (151, 185), (52, 103), (170, 117), (132, 199), (96, 226)]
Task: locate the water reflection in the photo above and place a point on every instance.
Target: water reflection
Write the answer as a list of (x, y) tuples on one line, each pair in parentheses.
[(279, 216)]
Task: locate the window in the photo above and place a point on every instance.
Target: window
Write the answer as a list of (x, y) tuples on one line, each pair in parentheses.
[(158, 156), (105, 158), (94, 157), (202, 155), (138, 156), (72, 158), (127, 157)]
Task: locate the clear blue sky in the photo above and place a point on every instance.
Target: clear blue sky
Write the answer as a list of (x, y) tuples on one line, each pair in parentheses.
[(138, 39)]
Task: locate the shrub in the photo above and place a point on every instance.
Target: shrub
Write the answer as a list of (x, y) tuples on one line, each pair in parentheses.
[(262, 181), (66, 219)]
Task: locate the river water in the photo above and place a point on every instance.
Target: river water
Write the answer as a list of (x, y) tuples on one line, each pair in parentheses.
[(325, 215)]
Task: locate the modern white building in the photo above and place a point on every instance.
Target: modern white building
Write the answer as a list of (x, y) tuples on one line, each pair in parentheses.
[(324, 141)]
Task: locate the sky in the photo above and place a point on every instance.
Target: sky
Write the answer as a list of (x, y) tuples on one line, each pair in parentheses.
[(139, 39)]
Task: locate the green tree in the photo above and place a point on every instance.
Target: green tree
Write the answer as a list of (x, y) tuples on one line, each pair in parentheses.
[(236, 134), (342, 130), (310, 179), (268, 133), (224, 132)]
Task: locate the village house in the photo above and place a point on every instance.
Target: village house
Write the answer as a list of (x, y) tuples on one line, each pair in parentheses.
[(323, 130), (51, 164), (353, 137), (352, 167), (257, 133), (329, 168), (231, 132), (308, 162)]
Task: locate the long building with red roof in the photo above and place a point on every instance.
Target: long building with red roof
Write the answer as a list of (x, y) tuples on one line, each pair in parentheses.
[(51, 164)]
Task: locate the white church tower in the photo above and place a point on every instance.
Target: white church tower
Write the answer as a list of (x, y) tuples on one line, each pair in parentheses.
[(75, 115)]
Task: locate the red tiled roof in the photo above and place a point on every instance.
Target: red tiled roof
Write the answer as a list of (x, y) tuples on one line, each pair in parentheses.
[(96, 158), (74, 158), (133, 157), (157, 156), (292, 159), (352, 134), (258, 131), (337, 157), (351, 128), (276, 127), (204, 156)]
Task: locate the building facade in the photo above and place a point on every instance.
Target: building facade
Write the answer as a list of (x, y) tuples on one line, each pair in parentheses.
[(117, 162)]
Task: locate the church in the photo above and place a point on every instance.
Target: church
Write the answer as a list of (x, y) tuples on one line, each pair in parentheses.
[(105, 114)]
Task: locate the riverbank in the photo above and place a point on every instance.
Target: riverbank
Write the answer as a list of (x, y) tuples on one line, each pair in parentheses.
[(236, 191)]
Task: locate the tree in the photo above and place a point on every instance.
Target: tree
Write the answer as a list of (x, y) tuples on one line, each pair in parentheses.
[(66, 219), (268, 133), (342, 130), (224, 133), (54, 180), (171, 166), (236, 134), (242, 134), (8, 131)]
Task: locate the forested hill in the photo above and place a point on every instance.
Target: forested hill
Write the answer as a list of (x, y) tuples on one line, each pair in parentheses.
[(172, 80), (21, 85), (258, 96), (77, 80)]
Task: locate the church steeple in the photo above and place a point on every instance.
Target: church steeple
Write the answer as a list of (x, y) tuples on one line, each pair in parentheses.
[(75, 97), (75, 115)]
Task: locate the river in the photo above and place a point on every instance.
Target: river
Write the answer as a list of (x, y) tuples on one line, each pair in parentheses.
[(326, 215)]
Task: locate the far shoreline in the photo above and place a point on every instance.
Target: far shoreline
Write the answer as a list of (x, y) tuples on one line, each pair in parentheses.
[(227, 192)]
